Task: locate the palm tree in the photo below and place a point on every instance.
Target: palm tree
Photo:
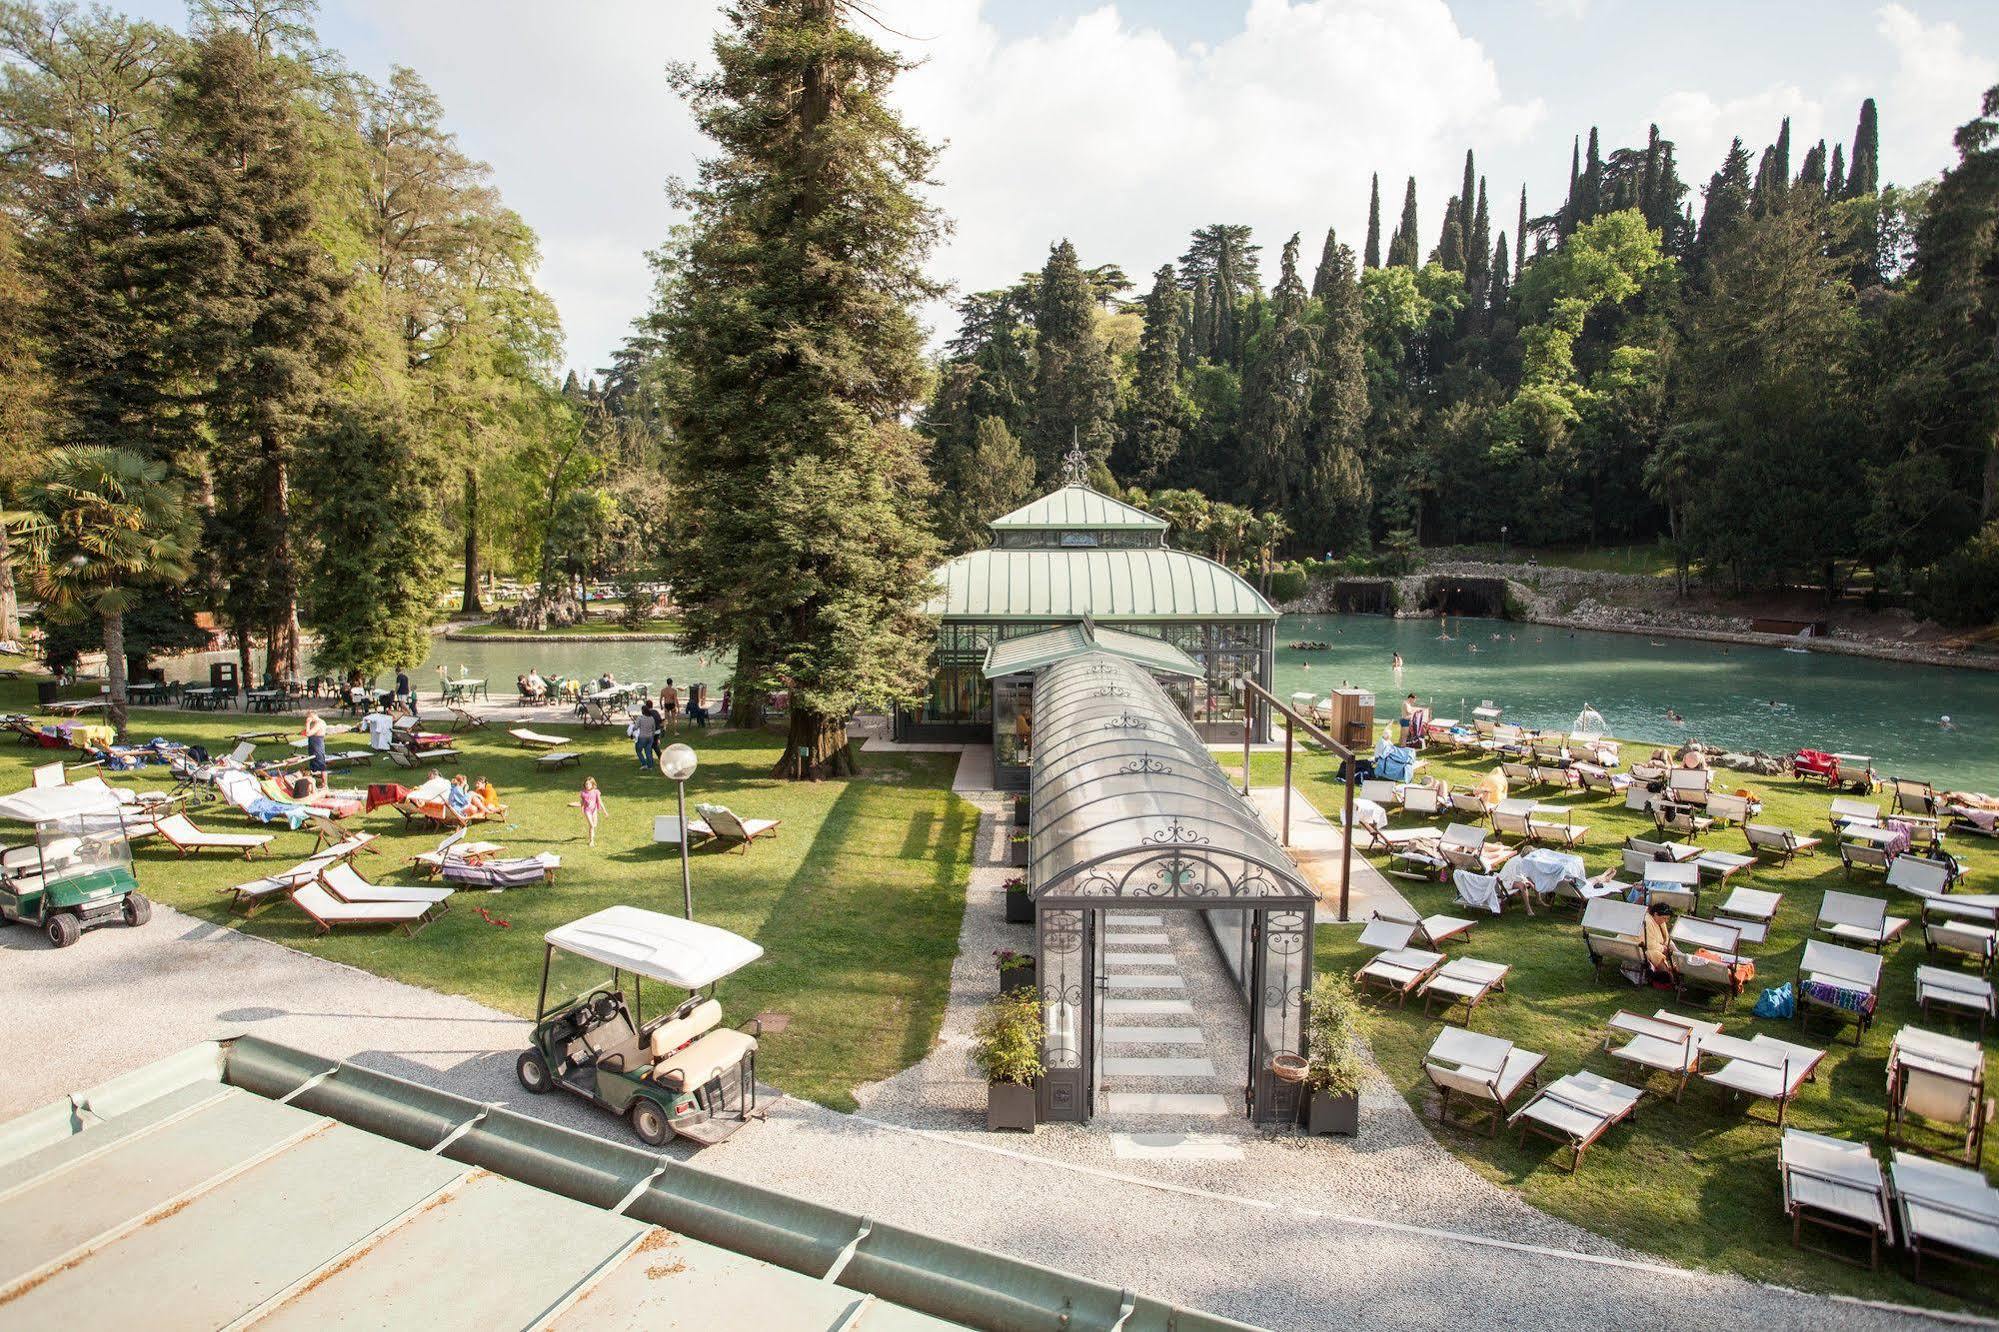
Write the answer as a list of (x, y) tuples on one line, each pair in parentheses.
[(115, 523)]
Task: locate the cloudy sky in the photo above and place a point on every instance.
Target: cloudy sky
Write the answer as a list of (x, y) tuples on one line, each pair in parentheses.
[(1125, 125)]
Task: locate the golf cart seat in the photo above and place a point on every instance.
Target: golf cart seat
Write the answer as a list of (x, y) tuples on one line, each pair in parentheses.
[(715, 1055), (670, 1035)]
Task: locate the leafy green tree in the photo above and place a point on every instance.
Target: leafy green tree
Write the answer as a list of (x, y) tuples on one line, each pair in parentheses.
[(993, 477), (23, 410), (800, 541), (1159, 405), (372, 587), (1075, 395), (115, 524), (1223, 254), (1276, 394), (1333, 511)]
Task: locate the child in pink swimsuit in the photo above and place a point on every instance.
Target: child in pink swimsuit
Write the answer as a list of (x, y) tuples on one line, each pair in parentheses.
[(591, 802)]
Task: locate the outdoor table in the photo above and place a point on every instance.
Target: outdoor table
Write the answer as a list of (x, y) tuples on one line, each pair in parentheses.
[(455, 690), (203, 698), (263, 700), (145, 693)]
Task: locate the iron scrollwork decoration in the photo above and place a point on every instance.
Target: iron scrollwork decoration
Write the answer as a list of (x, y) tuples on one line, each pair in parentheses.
[(1126, 721), (1176, 833), (1146, 763)]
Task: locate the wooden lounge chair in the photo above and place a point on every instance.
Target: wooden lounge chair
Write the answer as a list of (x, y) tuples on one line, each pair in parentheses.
[(557, 758), (1521, 776), (1721, 866), (328, 912), (1396, 968), (1663, 850), (1751, 907), (1513, 817), (1545, 828), (1430, 931), (1862, 855), (1485, 1071), (454, 848), (1678, 820), (1422, 801), (666, 830), (247, 897), (1382, 792), (1980, 943), (1576, 1110), (1936, 1086), (1463, 980), (463, 719), (1664, 1043), (729, 828), (1463, 847), (1853, 919), (1955, 992), (1689, 786), (1726, 807), (1614, 933), (1761, 1068), (1842, 981), (1914, 797), (1667, 884), (1391, 841), (1471, 805), (1592, 780), (1779, 844), (1946, 1211), (1490, 892), (1845, 810), (187, 839), (537, 739), (1836, 1185), (346, 883), (1706, 957)]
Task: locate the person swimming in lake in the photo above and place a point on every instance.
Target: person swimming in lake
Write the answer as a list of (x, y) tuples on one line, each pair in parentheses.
[(1945, 723), (1397, 662), (1673, 716)]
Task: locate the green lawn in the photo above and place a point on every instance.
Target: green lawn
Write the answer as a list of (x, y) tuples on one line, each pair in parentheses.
[(1695, 1182), (857, 902), (1649, 559), (588, 629)]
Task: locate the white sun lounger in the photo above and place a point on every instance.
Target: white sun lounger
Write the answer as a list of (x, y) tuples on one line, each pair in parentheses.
[(1484, 1070), (1463, 980), (1464, 847), (1396, 968), (1576, 1110), (1956, 992), (1946, 1211), (1851, 918), (1665, 1043), (185, 838), (1837, 1185), (1614, 933), (1761, 1068), (537, 739), (1431, 931), (328, 912), (1937, 1083), (731, 828), (347, 884), (249, 896)]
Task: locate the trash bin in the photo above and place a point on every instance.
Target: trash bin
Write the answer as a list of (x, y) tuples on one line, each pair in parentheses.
[(45, 692)]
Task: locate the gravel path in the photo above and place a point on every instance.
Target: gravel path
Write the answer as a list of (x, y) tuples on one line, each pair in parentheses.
[(1296, 1234)]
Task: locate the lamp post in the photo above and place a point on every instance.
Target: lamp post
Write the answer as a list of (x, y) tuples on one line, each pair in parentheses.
[(677, 762)]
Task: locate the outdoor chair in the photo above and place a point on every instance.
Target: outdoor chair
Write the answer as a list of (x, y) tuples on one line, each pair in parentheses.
[(328, 912), (1520, 776), (1853, 919), (594, 713), (1672, 819), (1946, 1211), (493, 874), (1751, 906), (1720, 866), (1576, 1110), (1513, 818), (463, 719), (729, 828), (328, 833), (1842, 981), (1915, 797), (1463, 980), (1761, 1068), (1780, 844), (1726, 807), (1614, 933), (1570, 890), (1385, 793), (247, 897), (1706, 957), (1483, 1071), (187, 839), (1663, 1043), (1836, 1185), (345, 882), (1673, 851), (1396, 968), (1980, 943), (1393, 841), (1488, 892), (1845, 810), (1664, 883), (1862, 855), (1936, 1087), (1430, 931), (1955, 992), (1597, 781), (1471, 805), (1544, 828), (1422, 801), (1464, 847), (536, 739), (1689, 786), (454, 848)]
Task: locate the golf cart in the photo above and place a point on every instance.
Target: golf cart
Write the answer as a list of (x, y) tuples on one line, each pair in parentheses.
[(681, 1074), (77, 873)]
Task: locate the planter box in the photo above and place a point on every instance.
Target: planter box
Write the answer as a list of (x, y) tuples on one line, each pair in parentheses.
[(1019, 907), (1009, 1105), (1018, 854), (1018, 978), (1332, 1114), (1020, 812)]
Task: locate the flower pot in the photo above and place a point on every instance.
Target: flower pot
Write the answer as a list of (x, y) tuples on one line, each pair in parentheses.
[(1017, 978), (1019, 858), (1009, 1105), (1332, 1114), (1020, 812), (1019, 907)]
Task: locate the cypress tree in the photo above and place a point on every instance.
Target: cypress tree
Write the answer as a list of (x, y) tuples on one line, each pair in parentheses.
[(235, 226), (1203, 319), (1450, 251), (1781, 166), (1276, 394), (1520, 235), (1863, 165), (1075, 394), (1835, 181), (1405, 249), (1332, 511), (1466, 195), (798, 540), (1728, 197), (1571, 210), (1811, 175), (1371, 256), (1502, 282), (1154, 444), (1323, 275), (1478, 247), (1592, 200)]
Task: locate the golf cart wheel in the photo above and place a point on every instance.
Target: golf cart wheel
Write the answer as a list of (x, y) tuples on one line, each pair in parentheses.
[(138, 910), (63, 929), (650, 1123), (533, 1072)]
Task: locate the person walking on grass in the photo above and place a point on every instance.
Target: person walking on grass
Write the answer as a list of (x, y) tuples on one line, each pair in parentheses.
[(591, 802), (315, 748), (645, 736)]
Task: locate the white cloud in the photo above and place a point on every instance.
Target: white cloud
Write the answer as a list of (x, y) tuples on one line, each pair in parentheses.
[(1564, 9), (1701, 127), (1935, 87)]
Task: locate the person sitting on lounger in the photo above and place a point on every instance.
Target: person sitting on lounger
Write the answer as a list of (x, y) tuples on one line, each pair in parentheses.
[(487, 800), (458, 797)]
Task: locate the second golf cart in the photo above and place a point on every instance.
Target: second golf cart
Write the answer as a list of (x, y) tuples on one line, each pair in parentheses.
[(680, 1074), (77, 873)]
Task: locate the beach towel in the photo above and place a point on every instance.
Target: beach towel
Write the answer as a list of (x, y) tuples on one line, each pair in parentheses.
[(1546, 868), (513, 873), (385, 793), (1478, 890)]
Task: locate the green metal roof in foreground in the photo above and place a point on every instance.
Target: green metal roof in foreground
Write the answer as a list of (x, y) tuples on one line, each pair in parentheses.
[(1078, 506), (1014, 656), (234, 1185), (1148, 584)]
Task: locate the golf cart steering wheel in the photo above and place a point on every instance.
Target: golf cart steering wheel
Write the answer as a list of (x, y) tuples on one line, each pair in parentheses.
[(604, 1007)]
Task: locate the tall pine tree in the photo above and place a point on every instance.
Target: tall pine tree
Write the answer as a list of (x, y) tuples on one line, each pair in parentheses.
[(1371, 255), (798, 542), (1405, 249), (1157, 412), (1075, 394), (1276, 394), (1863, 165), (1332, 510)]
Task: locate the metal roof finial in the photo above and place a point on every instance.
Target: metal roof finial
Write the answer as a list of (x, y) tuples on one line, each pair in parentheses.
[(1075, 463)]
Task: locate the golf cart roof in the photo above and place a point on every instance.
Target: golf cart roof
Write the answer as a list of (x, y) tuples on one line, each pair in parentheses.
[(658, 947), (41, 804)]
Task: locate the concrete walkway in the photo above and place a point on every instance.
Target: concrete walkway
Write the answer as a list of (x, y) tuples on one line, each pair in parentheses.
[(1317, 844)]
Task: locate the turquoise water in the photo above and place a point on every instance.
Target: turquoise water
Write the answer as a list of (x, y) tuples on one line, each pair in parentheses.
[(1543, 676)]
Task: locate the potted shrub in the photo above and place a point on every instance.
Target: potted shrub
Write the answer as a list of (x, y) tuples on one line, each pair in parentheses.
[(1020, 811), (1019, 840), (1332, 1057), (1016, 970), (1019, 906), (1008, 1052)]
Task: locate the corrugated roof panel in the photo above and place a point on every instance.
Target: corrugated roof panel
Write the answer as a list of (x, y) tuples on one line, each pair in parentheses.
[(1078, 506), (1151, 584), (1031, 652)]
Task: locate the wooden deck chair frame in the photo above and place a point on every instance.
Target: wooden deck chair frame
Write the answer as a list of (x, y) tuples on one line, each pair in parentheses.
[(463, 719), (720, 816), (1918, 1245), (1849, 966), (1578, 1144), (1478, 1083), (1769, 840), (1912, 796), (1784, 1063), (1920, 1083), (1614, 933), (1471, 805), (1802, 1213), (1479, 987), (409, 922), (251, 845)]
